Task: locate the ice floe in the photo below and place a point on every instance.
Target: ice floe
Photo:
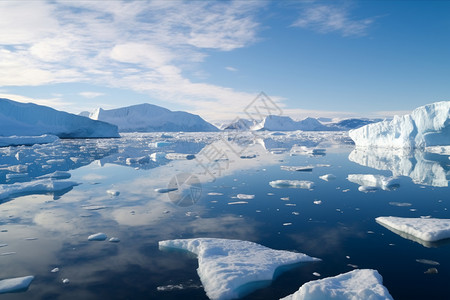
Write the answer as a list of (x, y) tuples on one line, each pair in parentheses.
[(245, 196), (27, 140), (12, 285), (97, 237), (301, 184), (425, 229), (327, 177), (362, 284), (427, 125), (230, 269), (34, 187), (297, 168), (370, 182)]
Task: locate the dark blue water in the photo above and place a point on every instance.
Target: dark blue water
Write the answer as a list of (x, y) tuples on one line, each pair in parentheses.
[(45, 231)]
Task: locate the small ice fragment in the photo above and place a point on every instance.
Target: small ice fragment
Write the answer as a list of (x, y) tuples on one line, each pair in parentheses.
[(347, 257), (237, 202), (370, 232), (270, 194), (287, 224), (55, 270), (258, 211), (165, 190), (215, 194), (113, 193), (428, 262), (431, 271), (245, 197), (295, 213), (317, 274), (327, 177), (166, 211), (7, 253), (318, 202), (97, 237), (31, 239), (366, 189), (413, 209), (400, 204), (66, 281), (285, 198), (114, 240), (353, 266), (291, 204), (346, 190)]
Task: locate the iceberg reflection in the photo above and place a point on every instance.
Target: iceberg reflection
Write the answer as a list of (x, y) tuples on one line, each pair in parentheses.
[(422, 167)]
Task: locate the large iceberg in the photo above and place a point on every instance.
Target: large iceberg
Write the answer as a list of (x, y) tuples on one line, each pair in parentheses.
[(28, 119), (425, 229), (362, 284), (230, 269), (427, 125), (374, 181), (151, 118)]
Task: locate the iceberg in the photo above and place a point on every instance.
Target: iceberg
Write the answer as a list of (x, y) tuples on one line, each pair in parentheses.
[(13, 285), (428, 230), (28, 119), (302, 184), (152, 118), (34, 187), (27, 140), (427, 125), (362, 284), (369, 181), (230, 269)]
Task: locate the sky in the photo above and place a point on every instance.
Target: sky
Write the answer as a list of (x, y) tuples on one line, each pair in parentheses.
[(331, 59)]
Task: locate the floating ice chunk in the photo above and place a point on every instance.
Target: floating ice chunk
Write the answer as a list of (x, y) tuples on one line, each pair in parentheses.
[(114, 240), (165, 190), (56, 175), (94, 207), (97, 237), (428, 262), (179, 156), (27, 140), (137, 160), (157, 156), (429, 230), (55, 270), (113, 193), (237, 202), (362, 284), (302, 184), (317, 202), (230, 269), (297, 168), (374, 181), (66, 281), (426, 126), (431, 271), (365, 189), (245, 197), (327, 177), (400, 204), (12, 285), (215, 194), (34, 187)]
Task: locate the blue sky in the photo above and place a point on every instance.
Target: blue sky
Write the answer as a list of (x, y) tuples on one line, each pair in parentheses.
[(314, 58)]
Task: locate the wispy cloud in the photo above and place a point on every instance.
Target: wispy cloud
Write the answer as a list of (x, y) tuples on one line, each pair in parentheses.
[(139, 45), (330, 18), (231, 69), (90, 94)]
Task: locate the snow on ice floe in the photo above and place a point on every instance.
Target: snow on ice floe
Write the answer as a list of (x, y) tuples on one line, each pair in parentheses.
[(425, 229), (27, 140), (364, 284), (230, 269), (301, 184), (245, 196), (34, 187), (28, 119), (370, 182), (12, 285), (427, 125)]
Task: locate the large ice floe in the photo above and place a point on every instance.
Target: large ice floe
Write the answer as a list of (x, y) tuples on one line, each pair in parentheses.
[(14, 285), (28, 119), (427, 125), (151, 118), (362, 284), (299, 184), (423, 229), (231, 269), (423, 167)]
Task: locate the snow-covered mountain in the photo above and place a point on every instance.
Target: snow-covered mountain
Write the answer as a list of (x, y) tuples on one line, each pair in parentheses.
[(428, 125), (239, 124), (151, 118), (284, 123), (28, 119)]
